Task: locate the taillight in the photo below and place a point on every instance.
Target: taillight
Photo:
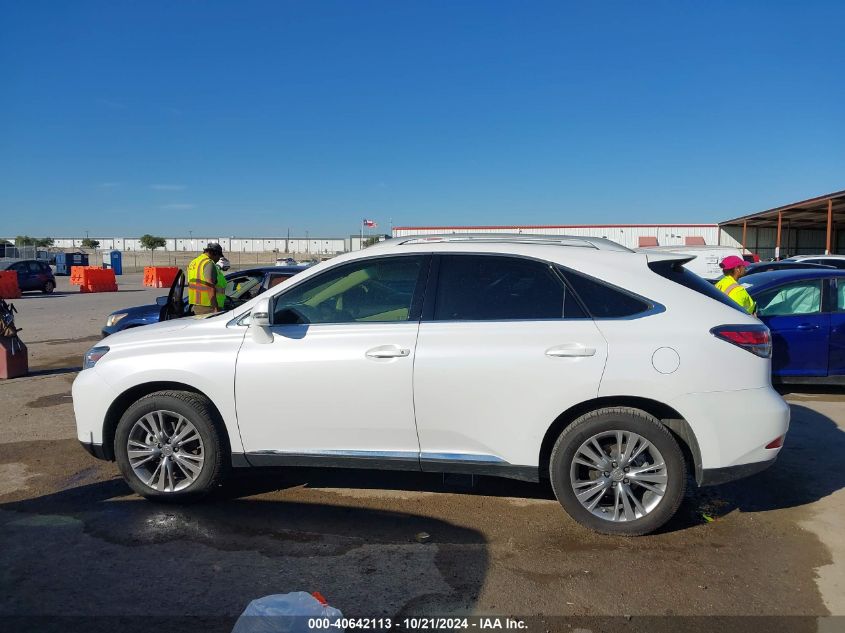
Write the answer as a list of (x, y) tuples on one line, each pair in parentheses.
[(755, 338)]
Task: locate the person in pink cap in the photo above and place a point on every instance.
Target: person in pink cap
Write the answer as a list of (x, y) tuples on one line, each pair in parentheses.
[(733, 268)]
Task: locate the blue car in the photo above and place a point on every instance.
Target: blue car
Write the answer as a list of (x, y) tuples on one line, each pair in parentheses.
[(32, 275), (241, 286), (805, 310)]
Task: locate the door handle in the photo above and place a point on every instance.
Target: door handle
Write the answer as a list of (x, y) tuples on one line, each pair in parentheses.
[(388, 351), (807, 326), (570, 350)]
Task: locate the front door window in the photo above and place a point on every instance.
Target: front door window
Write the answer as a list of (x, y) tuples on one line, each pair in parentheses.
[(373, 291)]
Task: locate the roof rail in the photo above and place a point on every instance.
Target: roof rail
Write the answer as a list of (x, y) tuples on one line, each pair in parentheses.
[(598, 243)]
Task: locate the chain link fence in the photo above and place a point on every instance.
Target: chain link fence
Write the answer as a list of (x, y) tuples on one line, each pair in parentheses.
[(136, 261), (9, 252)]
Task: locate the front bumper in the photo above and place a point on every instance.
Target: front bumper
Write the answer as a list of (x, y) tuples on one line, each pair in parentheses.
[(92, 397)]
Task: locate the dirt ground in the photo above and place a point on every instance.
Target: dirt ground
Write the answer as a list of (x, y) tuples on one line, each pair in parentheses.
[(79, 551)]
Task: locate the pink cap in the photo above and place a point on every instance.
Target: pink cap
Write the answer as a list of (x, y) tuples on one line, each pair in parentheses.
[(732, 262)]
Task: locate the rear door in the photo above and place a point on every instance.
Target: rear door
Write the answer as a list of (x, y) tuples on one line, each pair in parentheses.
[(800, 328), (836, 363), (504, 347)]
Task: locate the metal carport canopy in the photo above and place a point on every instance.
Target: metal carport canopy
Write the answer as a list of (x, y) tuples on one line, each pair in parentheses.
[(822, 212)]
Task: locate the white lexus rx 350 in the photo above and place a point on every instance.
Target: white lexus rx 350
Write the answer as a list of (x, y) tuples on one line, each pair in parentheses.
[(611, 373)]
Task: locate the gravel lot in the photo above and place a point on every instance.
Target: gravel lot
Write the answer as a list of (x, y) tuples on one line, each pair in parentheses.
[(75, 542)]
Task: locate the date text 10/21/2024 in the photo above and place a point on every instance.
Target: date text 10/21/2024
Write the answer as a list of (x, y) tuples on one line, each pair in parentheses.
[(418, 624)]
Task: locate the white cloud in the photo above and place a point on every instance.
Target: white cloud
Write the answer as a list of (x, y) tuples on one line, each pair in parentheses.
[(177, 206), (168, 187)]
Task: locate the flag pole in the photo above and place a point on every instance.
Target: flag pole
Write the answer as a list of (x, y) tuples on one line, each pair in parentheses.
[(361, 243)]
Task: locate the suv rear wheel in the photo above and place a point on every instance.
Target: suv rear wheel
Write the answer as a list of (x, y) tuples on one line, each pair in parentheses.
[(618, 471), (49, 286), (168, 447)]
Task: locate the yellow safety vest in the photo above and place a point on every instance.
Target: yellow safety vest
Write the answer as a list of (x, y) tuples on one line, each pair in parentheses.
[(737, 293), (199, 289)]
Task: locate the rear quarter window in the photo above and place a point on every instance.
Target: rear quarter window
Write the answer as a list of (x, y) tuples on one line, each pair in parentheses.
[(602, 300)]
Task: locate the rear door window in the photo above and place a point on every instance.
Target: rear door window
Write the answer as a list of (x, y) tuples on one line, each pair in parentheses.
[(498, 288), (840, 294)]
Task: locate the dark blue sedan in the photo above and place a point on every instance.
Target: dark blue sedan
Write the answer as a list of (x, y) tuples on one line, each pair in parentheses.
[(32, 275), (805, 310), (241, 286)]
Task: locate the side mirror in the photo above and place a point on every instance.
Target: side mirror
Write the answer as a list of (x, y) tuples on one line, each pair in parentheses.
[(260, 315), (259, 322)]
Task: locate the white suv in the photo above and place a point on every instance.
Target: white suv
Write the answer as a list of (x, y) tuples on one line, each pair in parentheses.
[(609, 372)]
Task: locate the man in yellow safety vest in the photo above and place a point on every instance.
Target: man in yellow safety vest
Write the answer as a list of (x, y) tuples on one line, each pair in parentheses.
[(206, 283), (733, 268)]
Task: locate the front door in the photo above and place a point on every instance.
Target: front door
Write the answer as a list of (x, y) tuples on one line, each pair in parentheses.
[(335, 380), (504, 349), (800, 329), (27, 279)]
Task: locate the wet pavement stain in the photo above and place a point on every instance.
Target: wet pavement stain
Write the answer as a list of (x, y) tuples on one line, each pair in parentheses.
[(67, 341), (266, 532), (44, 520), (52, 400)]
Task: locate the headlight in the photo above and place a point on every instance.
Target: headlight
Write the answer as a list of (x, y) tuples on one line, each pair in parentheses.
[(114, 318), (93, 355)]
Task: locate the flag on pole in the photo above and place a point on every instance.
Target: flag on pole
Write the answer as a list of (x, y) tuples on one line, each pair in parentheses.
[(370, 224)]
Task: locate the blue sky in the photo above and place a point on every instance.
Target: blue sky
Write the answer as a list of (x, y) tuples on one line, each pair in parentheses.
[(246, 117)]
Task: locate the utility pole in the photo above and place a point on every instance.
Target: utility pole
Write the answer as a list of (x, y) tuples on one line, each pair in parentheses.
[(287, 242)]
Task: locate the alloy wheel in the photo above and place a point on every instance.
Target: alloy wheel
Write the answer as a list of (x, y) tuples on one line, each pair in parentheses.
[(165, 451), (618, 475)]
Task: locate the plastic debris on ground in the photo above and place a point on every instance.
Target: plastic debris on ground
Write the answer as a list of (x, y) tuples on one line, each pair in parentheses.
[(286, 613)]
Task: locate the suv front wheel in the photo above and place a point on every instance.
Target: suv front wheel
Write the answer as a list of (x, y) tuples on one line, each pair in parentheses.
[(168, 447), (618, 471)]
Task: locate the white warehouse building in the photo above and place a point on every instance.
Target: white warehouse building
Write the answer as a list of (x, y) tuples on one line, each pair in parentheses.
[(313, 245), (630, 235)]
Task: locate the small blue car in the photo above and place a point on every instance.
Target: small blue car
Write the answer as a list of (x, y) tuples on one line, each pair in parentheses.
[(32, 275), (241, 286), (805, 310)]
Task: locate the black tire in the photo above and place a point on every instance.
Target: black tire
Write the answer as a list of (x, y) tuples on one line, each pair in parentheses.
[(49, 287), (618, 419), (196, 409)]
